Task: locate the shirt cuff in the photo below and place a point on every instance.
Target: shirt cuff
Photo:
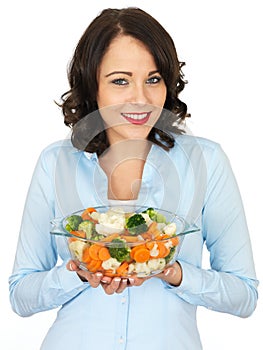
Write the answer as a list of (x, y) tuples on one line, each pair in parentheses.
[(191, 280), (69, 280)]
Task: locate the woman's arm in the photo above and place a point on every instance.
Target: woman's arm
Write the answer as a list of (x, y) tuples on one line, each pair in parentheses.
[(230, 285), (36, 283)]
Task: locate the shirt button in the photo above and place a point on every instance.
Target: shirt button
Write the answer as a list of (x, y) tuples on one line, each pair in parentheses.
[(121, 340), (123, 300)]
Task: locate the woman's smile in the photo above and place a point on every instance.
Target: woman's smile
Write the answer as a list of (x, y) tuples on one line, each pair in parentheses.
[(137, 118)]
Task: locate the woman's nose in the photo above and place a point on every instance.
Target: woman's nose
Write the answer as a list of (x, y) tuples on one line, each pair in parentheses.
[(139, 94)]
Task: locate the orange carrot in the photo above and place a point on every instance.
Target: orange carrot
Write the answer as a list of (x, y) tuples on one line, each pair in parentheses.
[(163, 236), (175, 241), (94, 251), (78, 234), (130, 239), (134, 249), (86, 214), (150, 245), (110, 237), (122, 269), (142, 255), (94, 265), (110, 273), (85, 255), (152, 227), (163, 250), (104, 254)]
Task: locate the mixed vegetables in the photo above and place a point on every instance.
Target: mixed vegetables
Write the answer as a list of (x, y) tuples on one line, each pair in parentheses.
[(121, 244)]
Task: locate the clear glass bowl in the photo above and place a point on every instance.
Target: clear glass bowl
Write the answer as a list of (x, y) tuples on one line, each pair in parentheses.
[(116, 241)]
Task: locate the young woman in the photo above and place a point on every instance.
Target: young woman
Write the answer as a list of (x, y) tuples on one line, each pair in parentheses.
[(127, 147)]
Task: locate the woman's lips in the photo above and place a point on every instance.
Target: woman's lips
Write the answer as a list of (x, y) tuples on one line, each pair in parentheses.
[(137, 118)]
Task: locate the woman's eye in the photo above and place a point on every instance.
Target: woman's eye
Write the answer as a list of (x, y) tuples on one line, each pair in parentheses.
[(154, 80), (120, 81)]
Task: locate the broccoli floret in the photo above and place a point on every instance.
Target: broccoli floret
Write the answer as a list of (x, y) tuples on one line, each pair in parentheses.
[(155, 215), (119, 250), (136, 224), (96, 236), (88, 227), (73, 222)]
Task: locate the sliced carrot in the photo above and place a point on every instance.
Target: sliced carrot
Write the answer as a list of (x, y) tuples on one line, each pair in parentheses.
[(86, 214), (110, 237), (150, 245), (163, 250), (104, 254), (162, 236), (142, 255), (78, 234), (134, 249), (122, 269), (147, 236), (85, 255), (175, 241), (152, 227), (110, 273), (94, 265), (94, 251), (130, 239)]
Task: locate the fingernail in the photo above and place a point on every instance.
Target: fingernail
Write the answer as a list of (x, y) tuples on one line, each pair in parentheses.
[(104, 281), (99, 274), (131, 280), (167, 272), (70, 267), (117, 279)]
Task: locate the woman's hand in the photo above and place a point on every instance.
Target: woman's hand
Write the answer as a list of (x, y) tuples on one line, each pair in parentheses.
[(172, 274), (110, 285)]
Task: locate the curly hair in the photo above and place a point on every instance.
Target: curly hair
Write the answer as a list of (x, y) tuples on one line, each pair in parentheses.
[(81, 100)]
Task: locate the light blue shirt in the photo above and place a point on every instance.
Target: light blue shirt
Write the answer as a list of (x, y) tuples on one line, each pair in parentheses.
[(195, 180)]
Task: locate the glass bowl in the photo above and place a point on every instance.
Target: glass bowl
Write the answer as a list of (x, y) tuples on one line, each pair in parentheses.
[(123, 241)]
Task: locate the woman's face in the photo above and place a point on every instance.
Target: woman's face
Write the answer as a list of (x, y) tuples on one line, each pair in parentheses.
[(131, 91)]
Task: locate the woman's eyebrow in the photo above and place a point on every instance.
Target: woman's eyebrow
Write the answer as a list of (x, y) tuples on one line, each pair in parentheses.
[(129, 73), (118, 72)]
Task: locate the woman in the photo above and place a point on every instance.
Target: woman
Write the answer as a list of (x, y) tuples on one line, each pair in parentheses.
[(127, 147)]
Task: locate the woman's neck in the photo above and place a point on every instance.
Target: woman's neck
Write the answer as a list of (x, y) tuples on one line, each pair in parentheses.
[(123, 164)]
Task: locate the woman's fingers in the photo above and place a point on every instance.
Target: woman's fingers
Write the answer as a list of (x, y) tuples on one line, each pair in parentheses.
[(71, 266), (110, 285)]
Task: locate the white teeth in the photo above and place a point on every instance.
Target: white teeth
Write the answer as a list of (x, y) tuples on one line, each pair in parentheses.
[(135, 116)]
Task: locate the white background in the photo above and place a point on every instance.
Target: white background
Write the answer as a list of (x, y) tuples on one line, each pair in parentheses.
[(221, 42)]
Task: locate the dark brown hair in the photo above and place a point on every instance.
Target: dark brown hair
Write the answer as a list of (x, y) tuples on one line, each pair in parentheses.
[(81, 100)]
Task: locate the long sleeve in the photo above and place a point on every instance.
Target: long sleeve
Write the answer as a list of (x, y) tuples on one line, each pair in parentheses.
[(37, 283), (230, 285)]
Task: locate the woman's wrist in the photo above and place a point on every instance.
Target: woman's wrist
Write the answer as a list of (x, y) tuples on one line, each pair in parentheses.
[(173, 275)]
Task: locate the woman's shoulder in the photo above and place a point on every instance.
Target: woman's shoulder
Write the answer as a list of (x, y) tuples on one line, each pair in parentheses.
[(187, 140), (61, 149), (58, 145), (200, 148)]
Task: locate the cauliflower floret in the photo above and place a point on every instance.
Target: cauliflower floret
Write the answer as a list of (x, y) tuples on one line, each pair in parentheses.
[(142, 268), (113, 221), (156, 264), (131, 268), (111, 264), (95, 215), (116, 220), (76, 248), (154, 251), (170, 229)]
